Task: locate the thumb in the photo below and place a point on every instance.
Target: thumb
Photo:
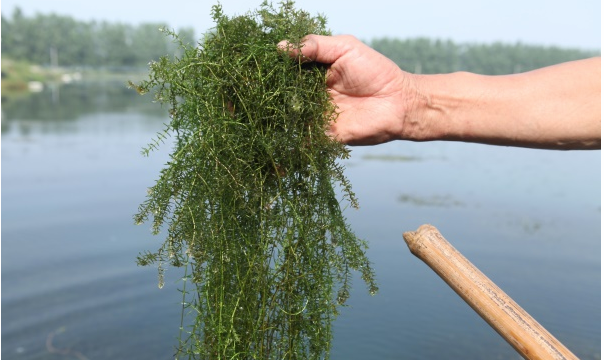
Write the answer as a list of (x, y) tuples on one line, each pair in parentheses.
[(320, 48)]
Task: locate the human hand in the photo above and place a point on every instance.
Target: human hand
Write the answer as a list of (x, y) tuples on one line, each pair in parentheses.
[(377, 102), (372, 94)]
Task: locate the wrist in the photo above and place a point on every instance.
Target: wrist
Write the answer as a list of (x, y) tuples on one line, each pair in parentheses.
[(435, 102)]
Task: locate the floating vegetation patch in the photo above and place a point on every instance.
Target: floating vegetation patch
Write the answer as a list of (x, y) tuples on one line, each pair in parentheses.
[(401, 158), (435, 200), (527, 224), (249, 198)]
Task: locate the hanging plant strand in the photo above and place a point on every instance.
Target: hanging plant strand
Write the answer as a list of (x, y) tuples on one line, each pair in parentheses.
[(251, 197)]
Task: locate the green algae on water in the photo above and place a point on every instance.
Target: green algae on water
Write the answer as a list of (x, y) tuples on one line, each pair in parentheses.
[(251, 198)]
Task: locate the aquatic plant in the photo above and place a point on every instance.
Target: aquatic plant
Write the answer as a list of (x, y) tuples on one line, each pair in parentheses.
[(249, 199)]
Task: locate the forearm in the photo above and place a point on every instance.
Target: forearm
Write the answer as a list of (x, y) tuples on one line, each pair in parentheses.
[(557, 107)]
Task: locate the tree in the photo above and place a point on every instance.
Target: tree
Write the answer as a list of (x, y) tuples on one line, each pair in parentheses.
[(114, 45), (149, 42)]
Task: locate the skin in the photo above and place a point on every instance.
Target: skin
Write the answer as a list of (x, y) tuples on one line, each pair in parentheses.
[(556, 107)]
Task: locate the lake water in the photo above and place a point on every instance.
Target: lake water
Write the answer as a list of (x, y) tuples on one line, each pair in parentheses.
[(73, 176)]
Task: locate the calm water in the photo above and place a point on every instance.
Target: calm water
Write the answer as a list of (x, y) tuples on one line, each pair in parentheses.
[(72, 177)]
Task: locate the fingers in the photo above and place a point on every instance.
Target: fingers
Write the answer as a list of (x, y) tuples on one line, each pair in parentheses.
[(320, 48)]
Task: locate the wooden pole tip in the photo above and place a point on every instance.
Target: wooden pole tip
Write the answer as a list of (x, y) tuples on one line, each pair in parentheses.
[(415, 238)]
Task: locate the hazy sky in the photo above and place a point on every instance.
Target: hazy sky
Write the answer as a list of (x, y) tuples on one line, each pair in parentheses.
[(567, 23)]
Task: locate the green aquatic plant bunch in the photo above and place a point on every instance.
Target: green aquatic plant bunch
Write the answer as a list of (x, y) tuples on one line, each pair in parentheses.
[(252, 196)]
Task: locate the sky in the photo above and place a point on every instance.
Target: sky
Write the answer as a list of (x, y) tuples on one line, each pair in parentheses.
[(566, 23)]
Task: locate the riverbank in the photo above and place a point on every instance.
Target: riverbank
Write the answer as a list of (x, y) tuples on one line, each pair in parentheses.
[(21, 77)]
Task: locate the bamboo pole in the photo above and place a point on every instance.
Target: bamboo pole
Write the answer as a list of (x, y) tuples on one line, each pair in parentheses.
[(516, 326)]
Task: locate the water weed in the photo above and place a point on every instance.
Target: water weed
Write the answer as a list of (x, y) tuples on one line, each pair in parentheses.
[(251, 198)]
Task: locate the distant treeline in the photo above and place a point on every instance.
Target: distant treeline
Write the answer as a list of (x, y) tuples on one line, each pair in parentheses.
[(422, 55), (61, 40)]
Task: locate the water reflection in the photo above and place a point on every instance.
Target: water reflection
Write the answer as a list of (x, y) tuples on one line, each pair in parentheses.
[(69, 102)]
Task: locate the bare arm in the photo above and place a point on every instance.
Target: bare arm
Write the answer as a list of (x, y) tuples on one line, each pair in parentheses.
[(557, 107)]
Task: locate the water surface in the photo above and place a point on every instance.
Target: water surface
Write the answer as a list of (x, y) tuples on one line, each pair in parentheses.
[(73, 177)]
